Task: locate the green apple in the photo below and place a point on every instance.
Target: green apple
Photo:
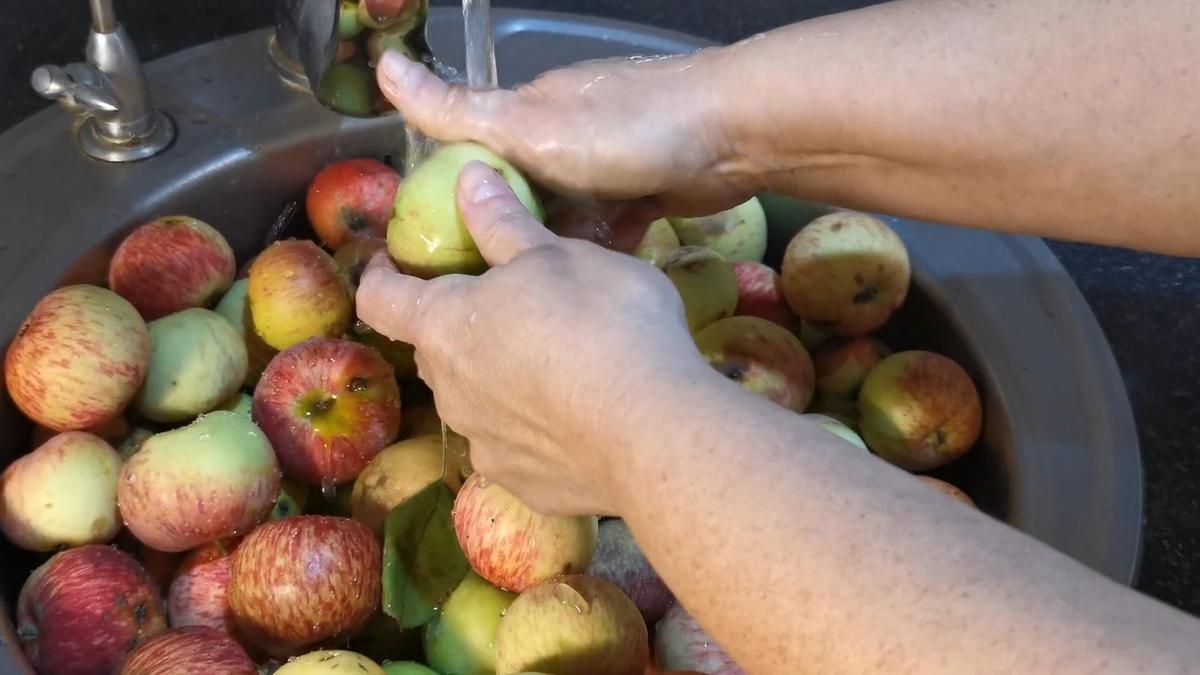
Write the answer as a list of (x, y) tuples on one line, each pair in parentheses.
[(460, 641), (197, 360), (846, 273), (238, 403), (407, 668), (330, 662), (427, 236), (572, 624), (706, 284), (658, 241), (919, 410), (738, 234)]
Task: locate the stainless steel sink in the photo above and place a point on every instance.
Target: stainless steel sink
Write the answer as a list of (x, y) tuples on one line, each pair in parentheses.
[(1059, 456)]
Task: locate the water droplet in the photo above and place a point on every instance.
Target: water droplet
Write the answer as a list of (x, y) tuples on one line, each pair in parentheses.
[(328, 489), (571, 597)]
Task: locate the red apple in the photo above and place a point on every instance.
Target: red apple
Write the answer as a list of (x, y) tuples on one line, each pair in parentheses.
[(350, 199), (328, 406), (919, 410), (572, 624), (842, 365), (113, 431), (947, 489), (680, 643), (78, 359), (846, 272), (198, 596), (620, 560), (186, 651), (511, 545), (760, 293), (160, 565), (378, 14), (304, 579), (294, 293), (214, 478), (81, 610), (762, 356), (62, 494), (171, 264)]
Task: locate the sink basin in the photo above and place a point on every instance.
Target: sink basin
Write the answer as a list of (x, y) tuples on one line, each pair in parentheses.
[(1058, 458)]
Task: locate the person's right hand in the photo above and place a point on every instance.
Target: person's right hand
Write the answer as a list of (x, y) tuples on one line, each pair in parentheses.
[(617, 129)]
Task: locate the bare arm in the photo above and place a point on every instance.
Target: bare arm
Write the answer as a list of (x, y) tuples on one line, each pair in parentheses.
[(1072, 119)]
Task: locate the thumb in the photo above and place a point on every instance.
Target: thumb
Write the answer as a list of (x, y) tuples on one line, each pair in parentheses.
[(498, 222), (439, 109)]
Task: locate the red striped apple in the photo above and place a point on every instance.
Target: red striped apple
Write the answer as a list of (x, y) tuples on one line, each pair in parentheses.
[(294, 293), (620, 560), (846, 272), (573, 624), (112, 431), (513, 546), (760, 293), (212, 479), (198, 595), (303, 580), (84, 608), (328, 407), (762, 356), (64, 493), (78, 358), (842, 365), (186, 651), (351, 199), (705, 282), (737, 234), (171, 264), (680, 643), (919, 410)]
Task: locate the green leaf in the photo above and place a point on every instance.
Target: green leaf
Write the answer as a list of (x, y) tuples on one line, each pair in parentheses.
[(422, 561)]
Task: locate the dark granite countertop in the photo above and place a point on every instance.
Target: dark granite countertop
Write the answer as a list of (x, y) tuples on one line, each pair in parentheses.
[(1148, 305)]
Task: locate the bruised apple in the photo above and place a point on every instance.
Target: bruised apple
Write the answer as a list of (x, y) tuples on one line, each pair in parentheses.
[(171, 264), (303, 580), (619, 559), (351, 199), (426, 235), (84, 608), (214, 478), (294, 293), (78, 359), (184, 651), (760, 293), (737, 234), (402, 470), (328, 406), (197, 361), (574, 624), (762, 356), (846, 272), (705, 282), (64, 493), (920, 410), (513, 546), (352, 259)]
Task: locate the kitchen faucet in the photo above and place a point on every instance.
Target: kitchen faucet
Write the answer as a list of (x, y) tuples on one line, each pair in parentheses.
[(109, 92)]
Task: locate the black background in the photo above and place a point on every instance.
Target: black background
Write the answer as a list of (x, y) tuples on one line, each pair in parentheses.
[(1149, 306)]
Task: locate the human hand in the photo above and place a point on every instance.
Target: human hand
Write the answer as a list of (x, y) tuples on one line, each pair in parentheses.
[(616, 129), (541, 360)]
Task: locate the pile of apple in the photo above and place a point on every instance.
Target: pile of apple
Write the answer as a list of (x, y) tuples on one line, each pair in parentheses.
[(230, 474)]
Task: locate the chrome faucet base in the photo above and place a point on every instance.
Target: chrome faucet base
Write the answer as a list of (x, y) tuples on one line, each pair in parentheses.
[(95, 145)]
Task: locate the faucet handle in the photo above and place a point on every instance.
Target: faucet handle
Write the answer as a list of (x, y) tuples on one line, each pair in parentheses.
[(78, 85)]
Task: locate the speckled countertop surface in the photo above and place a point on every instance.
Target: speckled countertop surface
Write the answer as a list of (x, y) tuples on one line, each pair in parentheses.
[(1148, 305)]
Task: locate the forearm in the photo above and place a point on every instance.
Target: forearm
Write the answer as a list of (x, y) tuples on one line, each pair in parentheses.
[(1066, 118), (802, 554)]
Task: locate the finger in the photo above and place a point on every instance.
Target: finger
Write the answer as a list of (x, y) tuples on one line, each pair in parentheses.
[(439, 109), (389, 301), (499, 223)]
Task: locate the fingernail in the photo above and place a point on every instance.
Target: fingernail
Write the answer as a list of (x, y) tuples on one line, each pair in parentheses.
[(395, 68), (482, 181)]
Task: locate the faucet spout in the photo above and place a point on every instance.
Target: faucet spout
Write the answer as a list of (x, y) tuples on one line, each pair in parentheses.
[(104, 20)]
